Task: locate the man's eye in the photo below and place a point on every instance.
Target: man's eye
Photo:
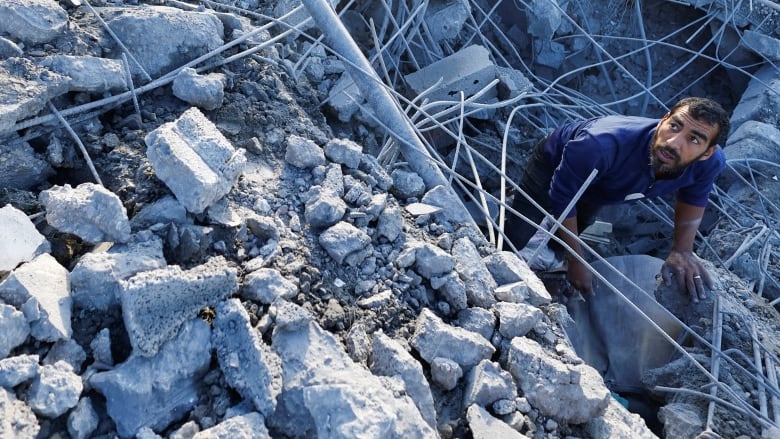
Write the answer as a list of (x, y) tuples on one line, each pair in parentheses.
[(695, 140)]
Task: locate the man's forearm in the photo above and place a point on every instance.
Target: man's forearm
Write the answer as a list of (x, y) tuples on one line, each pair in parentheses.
[(687, 219), (571, 225)]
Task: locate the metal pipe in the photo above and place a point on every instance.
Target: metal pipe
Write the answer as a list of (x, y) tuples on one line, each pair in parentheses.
[(717, 337)]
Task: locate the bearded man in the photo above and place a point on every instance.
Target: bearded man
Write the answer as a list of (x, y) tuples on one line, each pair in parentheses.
[(636, 157)]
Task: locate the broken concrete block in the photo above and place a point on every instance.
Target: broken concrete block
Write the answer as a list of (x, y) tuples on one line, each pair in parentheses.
[(9, 49), (33, 21), (88, 73), (41, 290), (389, 358), (249, 365), (483, 425), (204, 91), (20, 241), (21, 167), (56, 390), (344, 98), (82, 420), (17, 420), (154, 392), (431, 261), (487, 383), (303, 153), (390, 223), (761, 44), (25, 87), (445, 373), (164, 38), (759, 100), (266, 285), (544, 18), (516, 292), (433, 338), (468, 70), (469, 265), (156, 303), (250, 425), (452, 210), (445, 18), (89, 211), (192, 157), (681, 420), (513, 83), (507, 268), (14, 329), (479, 320), (344, 152), (571, 393), (407, 184), (346, 243), (96, 276), (516, 319), (752, 140), (323, 208)]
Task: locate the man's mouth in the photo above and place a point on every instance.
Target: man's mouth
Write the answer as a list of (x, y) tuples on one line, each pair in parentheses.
[(666, 155)]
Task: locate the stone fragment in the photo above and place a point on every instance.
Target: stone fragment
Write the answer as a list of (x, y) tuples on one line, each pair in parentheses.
[(88, 73), (25, 87), (266, 285), (194, 159), (389, 358), (161, 211), (445, 373), (346, 244), (89, 211), (41, 289), (20, 240), (249, 365), (507, 268), (155, 391), (303, 153), (324, 208), (433, 338), (516, 292), (759, 100), (156, 303), (681, 420), (568, 393), (33, 21), (431, 261), (18, 369), (95, 279), (204, 91), (67, 350), (516, 319), (390, 224), (248, 426), (468, 70), (21, 167), (761, 44), (469, 265), (451, 206), (479, 320), (484, 426), (344, 152), (445, 19), (17, 420), (56, 390), (407, 184), (487, 383), (82, 420), (14, 329)]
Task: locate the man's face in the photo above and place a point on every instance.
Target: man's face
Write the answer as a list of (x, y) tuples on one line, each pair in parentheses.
[(679, 141)]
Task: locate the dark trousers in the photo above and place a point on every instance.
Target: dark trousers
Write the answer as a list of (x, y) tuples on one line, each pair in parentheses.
[(535, 182)]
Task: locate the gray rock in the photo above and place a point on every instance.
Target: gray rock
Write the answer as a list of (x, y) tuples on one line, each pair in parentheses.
[(33, 21), (513, 83), (452, 209), (516, 319), (204, 91), (89, 211), (759, 100), (617, 421), (431, 261), (156, 303), (479, 320), (344, 98), (56, 390), (323, 208), (681, 420), (25, 88), (762, 44), (20, 240), (445, 19), (344, 152), (249, 365), (17, 420), (487, 383), (14, 329), (484, 426), (358, 343), (248, 426), (507, 268), (569, 393), (88, 73), (407, 184), (154, 392), (371, 165), (469, 265), (752, 140), (303, 153), (9, 49), (68, 351), (194, 159), (346, 244), (390, 224), (452, 289), (22, 167), (164, 38), (445, 373), (17, 370), (389, 358), (161, 211), (40, 288), (101, 350), (266, 285), (95, 280), (433, 338), (82, 420)]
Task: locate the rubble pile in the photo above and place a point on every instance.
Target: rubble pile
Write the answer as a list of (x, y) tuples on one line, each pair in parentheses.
[(212, 252)]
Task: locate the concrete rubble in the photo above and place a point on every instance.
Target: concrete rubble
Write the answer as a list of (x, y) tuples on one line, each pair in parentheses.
[(285, 282)]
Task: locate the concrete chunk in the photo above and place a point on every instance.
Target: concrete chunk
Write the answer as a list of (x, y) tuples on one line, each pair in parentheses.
[(18, 369), (32, 21), (89, 73), (41, 290), (467, 70), (25, 87), (82, 420), (469, 265), (266, 285), (14, 329), (433, 338), (487, 383), (516, 319), (248, 426), (194, 159), (204, 91), (346, 243), (303, 153), (56, 390), (156, 303), (21, 167), (445, 18), (507, 268), (249, 365), (20, 241), (89, 211), (17, 420), (483, 425)]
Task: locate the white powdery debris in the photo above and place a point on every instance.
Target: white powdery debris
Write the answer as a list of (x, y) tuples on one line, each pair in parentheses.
[(56, 390), (20, 241)]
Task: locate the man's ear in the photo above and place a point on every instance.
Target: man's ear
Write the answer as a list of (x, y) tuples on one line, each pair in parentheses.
[(708, 153)]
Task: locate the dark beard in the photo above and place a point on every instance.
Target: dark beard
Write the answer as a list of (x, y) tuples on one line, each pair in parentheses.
[(666, 171)]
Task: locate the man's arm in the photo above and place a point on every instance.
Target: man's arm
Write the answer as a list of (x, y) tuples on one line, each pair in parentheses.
[(682, 263), (577, 273)]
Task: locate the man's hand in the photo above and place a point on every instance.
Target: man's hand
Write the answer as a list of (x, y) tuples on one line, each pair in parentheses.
[(579, 276), (688, 273)]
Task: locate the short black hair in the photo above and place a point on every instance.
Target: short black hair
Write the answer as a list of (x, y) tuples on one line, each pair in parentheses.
[(709, 111)]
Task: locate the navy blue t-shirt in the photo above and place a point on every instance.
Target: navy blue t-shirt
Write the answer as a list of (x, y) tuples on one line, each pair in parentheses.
[(619, 147)]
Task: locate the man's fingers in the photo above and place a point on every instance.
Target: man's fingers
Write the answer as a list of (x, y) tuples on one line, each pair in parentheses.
[(707, 279), (666, 274), (690, 284), (699, 285)]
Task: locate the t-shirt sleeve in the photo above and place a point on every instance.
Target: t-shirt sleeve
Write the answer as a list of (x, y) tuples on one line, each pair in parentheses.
[(580, 156), (698, 193)]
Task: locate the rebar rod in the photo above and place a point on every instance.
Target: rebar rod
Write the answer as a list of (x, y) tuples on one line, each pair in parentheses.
[(746, 244), (118, 41), (757, 359), (75, 137), (771, 372), (717, 337)]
